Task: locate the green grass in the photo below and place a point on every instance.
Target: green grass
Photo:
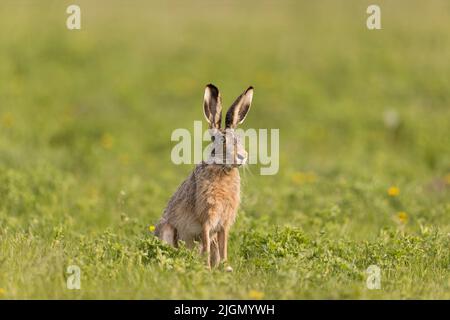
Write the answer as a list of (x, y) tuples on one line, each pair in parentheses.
[(85, 124)]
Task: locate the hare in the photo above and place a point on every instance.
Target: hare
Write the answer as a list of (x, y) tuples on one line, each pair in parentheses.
[(205, 205)]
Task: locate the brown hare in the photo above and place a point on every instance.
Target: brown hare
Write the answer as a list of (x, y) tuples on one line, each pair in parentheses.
[(205, 205)]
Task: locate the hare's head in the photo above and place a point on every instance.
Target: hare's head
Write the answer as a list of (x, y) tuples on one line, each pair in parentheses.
[(228, 149)]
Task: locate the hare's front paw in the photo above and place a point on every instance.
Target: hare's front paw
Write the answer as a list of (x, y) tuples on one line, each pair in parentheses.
[(228, 269)]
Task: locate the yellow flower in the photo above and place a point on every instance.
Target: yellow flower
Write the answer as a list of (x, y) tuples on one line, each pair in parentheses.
[(304, 177), (255, 295), (2, 292), (151, 228), (402, 217), (107, 141), (447, 178), (393, 191), (7, 120)]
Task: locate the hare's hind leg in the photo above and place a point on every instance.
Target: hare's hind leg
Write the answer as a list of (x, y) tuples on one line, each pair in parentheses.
[(215, 255), (168, 234)]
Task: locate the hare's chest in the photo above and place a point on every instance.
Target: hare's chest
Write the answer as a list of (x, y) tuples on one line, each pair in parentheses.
[(219, 201)]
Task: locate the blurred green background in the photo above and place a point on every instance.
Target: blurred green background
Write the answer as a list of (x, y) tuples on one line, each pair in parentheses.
[(364, 118)]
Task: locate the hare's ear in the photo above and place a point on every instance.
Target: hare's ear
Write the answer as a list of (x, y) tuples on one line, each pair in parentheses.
[(212, 106), (239, 109)]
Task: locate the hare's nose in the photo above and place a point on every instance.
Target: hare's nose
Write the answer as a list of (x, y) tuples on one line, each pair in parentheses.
[(240, 157)]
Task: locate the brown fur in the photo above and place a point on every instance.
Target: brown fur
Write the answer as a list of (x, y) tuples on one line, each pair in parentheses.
[(205, 205), (207, 201)]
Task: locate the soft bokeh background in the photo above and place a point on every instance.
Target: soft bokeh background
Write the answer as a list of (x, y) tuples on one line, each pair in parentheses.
[(364, 118)]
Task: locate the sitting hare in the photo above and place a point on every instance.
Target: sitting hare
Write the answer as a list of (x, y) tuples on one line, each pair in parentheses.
[(205, 205)]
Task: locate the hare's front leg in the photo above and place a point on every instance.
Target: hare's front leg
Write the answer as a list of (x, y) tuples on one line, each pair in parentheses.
[(223, 243), (215, 254), (206, 243)]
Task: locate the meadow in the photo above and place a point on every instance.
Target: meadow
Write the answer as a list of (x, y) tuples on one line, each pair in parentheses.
[(364, 119)]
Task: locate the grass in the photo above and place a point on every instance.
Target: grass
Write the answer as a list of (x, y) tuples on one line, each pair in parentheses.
[(85, 124)]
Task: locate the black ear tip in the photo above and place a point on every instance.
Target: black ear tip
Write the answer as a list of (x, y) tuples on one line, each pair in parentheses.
[(249, 88), (212, 87)]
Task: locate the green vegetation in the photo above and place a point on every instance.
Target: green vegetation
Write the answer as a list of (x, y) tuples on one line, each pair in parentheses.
[(364, 118)]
